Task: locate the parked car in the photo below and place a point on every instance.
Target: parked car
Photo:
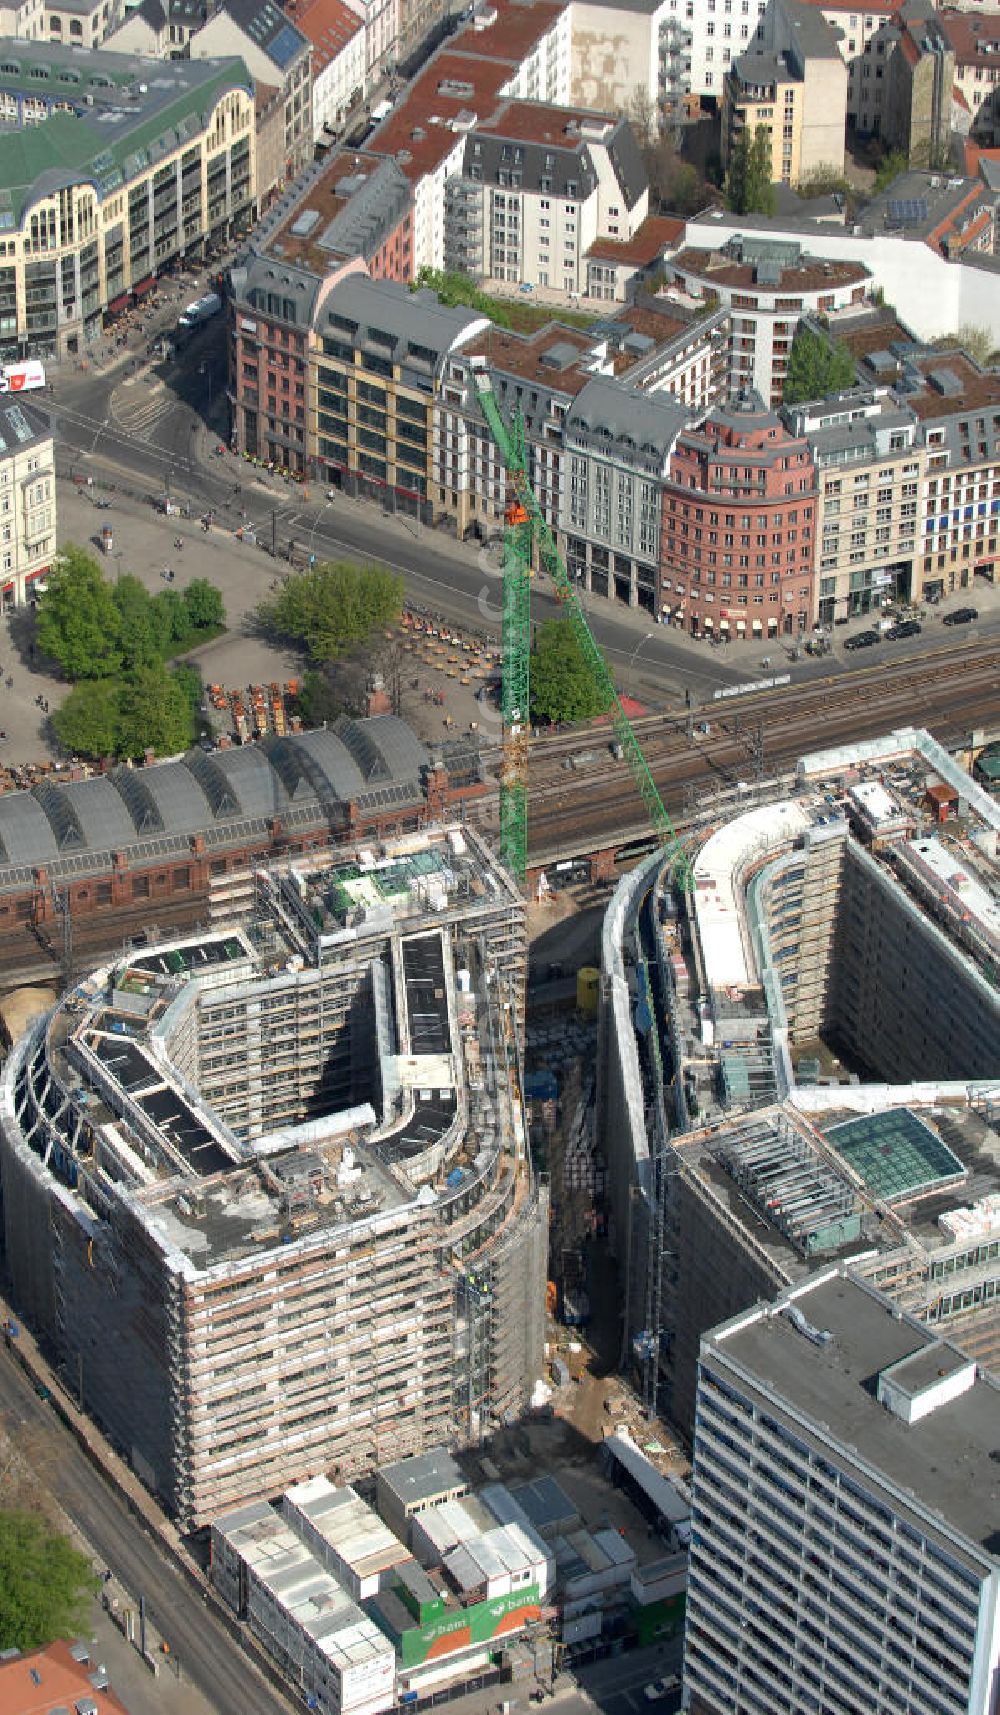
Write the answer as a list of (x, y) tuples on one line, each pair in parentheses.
[(962, 616), (905, 628), (861, 640), (660, 1688)]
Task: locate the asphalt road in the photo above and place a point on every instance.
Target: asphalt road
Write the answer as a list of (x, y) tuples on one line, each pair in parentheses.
[(615, 1685), (205, 1651), (100, 428)]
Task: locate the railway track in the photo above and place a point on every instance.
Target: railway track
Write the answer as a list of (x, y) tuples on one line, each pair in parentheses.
[(599, 806), (586, 810)]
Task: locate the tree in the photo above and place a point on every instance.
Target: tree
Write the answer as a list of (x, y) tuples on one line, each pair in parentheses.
[(675, 186), (204, 604), (319, 699), (171, 618), (825, 181), (154, 713), (890, 167), (77, 623), (562, 686), (87, 722), (977, 341), (816, 367), (330, 608), (139, 638), (45, 1583), (641, 114), (748, 180)]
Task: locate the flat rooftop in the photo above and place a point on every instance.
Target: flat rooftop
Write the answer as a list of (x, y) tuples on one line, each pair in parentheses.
[(718, 903), (953, 385), (423, 1477), (946, 1462), (810, 274)]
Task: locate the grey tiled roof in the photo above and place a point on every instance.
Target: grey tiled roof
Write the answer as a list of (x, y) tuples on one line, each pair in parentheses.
[(306, 772), (606, 409)]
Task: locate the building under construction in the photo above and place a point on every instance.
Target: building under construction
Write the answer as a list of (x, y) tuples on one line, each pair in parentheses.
[(266, 1191), (799, 1059)]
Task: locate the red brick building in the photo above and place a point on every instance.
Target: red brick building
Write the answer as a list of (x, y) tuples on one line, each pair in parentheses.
[(135, 846), (352, 214), (738, 540)]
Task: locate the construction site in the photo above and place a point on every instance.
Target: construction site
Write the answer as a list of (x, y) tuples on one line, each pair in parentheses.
[(797, 1057), (267, 1191)]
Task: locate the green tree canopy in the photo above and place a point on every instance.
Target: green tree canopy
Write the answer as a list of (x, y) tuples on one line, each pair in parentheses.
[(976, 340), (156, 709), (454, 288), (748, 178), (562, 686), (204, 605), (319, 698), (331, 608), (154, 713), (139, 636), (816, 366), (172, 619), (78, 623), (45, 1583), (86, 723)]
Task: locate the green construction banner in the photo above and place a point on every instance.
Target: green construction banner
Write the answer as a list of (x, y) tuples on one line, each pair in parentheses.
[(496, 1618)]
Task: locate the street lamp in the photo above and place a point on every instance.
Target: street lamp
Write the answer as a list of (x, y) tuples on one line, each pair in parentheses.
[(317, 521), (631, 660)]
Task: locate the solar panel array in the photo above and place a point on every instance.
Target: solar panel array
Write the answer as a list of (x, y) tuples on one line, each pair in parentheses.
[(908, 211)]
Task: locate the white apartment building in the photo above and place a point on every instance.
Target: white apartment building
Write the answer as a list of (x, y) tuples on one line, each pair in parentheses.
[(337, 36), (380, 19), (845, 1545), (540, 376), (23, 18), (27, 500), (518, 52), (869, 466), (930, 290), (538, 186), (767, 286), (720, 30), (78, 23), (857, 24)]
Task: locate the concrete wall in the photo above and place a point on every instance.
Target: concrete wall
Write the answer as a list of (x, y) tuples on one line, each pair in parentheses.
[(931, 295), (824, 115), (614, 57)]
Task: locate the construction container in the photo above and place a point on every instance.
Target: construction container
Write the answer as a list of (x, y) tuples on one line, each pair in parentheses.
[(588, 987)]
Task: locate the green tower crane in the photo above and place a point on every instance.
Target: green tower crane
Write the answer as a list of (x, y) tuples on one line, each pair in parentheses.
[(525, 524)]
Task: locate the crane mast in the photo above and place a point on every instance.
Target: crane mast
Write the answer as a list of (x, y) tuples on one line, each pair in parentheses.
[(525, 525)]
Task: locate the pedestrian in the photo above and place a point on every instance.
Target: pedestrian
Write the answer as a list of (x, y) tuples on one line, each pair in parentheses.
[(10, 683)]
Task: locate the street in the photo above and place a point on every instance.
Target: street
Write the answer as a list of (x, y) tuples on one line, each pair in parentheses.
[(156, 431), (206, 1653)]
